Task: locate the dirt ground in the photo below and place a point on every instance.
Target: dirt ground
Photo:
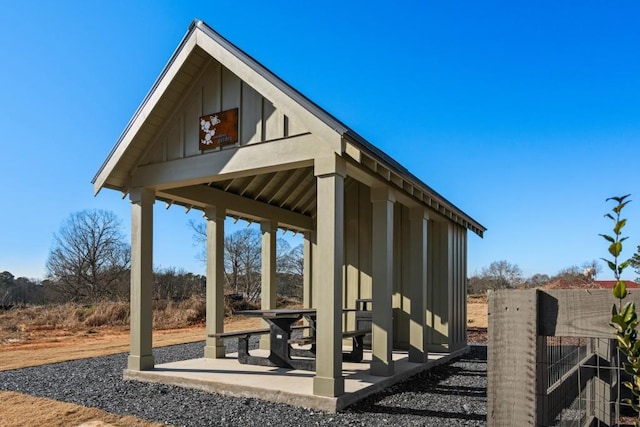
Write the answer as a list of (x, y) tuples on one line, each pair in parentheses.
[(477, 320), (477, 312), (23, 410), (45, 347), (49, 347)]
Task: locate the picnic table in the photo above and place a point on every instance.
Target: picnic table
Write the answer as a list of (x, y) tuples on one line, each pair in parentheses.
[(281, 325)]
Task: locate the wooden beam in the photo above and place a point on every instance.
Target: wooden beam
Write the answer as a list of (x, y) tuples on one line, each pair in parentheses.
[(203, 196), (353, 152), (297, 180), (265, 184), (283, 154), (578, 313), (308, 207), (248, 181), (370, 179), (279, 184), (304, 196)]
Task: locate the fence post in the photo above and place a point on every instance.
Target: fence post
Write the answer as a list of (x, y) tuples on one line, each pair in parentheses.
[(543, 407), (512, 370)]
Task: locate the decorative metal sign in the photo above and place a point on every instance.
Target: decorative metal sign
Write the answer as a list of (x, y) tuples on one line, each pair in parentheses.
[(219, 129)]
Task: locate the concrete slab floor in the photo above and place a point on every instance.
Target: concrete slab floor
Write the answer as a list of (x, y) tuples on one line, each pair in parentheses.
[(293, 387)]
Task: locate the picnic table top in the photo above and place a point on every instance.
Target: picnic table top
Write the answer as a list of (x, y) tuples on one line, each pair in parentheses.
[(277, 312)]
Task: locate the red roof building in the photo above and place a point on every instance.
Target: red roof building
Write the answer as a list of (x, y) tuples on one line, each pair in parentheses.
[(609, 284)]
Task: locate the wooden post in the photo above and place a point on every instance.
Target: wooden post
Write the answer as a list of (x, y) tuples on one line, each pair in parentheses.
[(330, 173), (382, 200), (268, 279), (141, 354), (215, 215), (307, 273), (418, 285), (512, 355)]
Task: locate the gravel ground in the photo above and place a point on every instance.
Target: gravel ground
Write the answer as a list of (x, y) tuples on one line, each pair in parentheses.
[(454, 394)]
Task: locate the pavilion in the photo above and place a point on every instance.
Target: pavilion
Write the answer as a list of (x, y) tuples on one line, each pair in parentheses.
[(220, 133)]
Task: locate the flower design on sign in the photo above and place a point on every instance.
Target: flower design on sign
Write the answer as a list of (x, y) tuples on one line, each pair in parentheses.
[(218, 129), (208, 127)]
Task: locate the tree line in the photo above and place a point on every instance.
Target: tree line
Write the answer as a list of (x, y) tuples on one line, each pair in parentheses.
[(90, 261), (506, 275), (19, 291)]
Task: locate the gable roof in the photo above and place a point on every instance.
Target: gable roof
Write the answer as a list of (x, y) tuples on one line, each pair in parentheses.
[(181, 69)]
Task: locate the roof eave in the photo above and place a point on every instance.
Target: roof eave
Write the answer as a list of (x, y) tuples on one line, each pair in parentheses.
[(102, 172), (384, 158)]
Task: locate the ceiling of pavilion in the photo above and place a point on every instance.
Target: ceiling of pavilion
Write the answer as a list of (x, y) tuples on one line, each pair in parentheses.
[(294, 189)]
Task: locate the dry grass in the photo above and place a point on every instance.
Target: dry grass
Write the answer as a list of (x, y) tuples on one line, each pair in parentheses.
[(28, 323), (21, 410), (477, 312), (23, 324)]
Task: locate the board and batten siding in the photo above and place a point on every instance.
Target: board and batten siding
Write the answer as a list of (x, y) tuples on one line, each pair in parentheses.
[(357, 240), (446, 271), (218, 89), (401, 274), (446, 286)]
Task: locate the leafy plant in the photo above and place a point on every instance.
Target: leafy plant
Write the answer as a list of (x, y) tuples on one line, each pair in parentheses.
[(623, 317), (634, 262)]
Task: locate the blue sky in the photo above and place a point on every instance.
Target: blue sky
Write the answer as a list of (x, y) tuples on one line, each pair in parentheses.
[(525, 115)]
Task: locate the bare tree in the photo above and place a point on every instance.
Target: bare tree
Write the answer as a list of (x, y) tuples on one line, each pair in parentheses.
[(537, 280), (502, 274), (242, 262), (199, 229), (243, 258), (577, 275), (289, 260), (290, 270), (89, 260)]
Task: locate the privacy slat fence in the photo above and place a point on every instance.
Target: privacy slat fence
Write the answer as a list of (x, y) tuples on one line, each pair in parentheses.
[(551, 358)]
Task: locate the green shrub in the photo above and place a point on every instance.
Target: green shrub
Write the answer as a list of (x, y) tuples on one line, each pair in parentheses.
[(623, 317)]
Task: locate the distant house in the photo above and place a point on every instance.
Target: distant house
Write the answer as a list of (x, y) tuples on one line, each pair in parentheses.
[(609, 284), (587, 284)]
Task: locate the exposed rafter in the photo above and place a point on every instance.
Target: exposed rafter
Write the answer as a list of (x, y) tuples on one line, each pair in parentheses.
[(203, 196)]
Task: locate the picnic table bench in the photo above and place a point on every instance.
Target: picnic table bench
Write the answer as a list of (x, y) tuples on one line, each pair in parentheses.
[(281, 325), (244, 356)]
